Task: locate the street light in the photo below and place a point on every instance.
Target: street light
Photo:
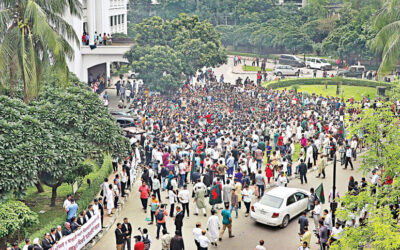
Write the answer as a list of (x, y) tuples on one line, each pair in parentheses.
[(334, 203)]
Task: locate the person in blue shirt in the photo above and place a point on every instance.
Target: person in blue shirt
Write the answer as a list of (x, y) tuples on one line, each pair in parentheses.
[(71, 210), (226, 222)]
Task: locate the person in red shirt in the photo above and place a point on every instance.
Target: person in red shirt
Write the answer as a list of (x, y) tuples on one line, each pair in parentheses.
[(144, 191), (139, 245), (280, 140)]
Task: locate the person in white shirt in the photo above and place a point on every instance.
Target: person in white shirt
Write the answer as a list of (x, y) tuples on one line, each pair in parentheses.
[(304, 246), (282, 180), (197, 234), (316, 213), (172, 196), (184, 199), (203, 240), (260, 246), (328, 220), (213, 227), (247, 193), (336, 233), (156, 188), (67, 202), (27, 244)]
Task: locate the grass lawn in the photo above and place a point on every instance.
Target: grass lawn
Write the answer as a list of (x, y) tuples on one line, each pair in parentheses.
[(253, 68), (41, 202), (53, 216), (348, 91)]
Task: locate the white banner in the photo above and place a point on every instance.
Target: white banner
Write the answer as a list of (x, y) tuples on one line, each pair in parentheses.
[(80, 238)]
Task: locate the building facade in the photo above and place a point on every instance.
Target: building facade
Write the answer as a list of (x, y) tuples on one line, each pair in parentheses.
[(300, 3), (98, 17)]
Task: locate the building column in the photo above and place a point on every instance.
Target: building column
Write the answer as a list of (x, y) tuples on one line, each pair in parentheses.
[(108, 71), (91, 19)]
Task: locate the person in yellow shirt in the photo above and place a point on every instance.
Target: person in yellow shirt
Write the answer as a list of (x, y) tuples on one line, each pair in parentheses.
[(306, 236)]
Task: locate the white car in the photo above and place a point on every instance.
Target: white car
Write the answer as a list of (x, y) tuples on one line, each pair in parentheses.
[(278, 206), (286, 70), (318, 63)]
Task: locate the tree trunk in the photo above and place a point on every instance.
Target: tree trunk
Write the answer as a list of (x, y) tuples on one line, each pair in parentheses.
[(54, 195), (13, 75), (39, 187), (25, 94)]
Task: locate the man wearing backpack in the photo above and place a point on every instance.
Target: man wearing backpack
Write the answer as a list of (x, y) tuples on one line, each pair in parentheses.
[(160, 218)]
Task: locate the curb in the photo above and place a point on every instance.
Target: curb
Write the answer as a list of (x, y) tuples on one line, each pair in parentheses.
[(107, 227)]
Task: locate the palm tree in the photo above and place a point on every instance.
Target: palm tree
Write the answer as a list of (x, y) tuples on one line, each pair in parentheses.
[(33, 33), (387, 41)]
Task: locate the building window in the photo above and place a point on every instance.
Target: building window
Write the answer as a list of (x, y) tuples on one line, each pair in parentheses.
[(123, 18), (115, 20), (119, 19), (111, 21)]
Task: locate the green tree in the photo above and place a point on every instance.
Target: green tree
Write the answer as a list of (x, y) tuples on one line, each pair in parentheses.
[(46, 140), (379, 231), (15, 218), (159, 66), (33, 33), (165, 50), (387, 41)]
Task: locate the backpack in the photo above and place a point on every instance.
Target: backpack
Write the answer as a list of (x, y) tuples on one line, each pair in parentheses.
[(160, 215), (146, 243), (315, 149)]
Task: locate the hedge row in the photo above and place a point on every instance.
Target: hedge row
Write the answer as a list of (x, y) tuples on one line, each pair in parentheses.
[(87, 194), (323, 81)]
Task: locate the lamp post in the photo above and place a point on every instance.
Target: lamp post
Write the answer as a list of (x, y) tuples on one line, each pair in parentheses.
[(334, 203)]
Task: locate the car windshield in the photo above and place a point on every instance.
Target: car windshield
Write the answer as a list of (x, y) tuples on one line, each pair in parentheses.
[(323, 60), (271, 201)]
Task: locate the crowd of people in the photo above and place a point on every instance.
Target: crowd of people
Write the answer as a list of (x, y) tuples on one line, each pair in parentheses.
[(99, 39), (233, 140), (238, 137)]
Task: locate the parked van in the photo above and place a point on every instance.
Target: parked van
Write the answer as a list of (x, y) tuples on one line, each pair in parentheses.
[(318, 63), (291, 60), (353, 71)]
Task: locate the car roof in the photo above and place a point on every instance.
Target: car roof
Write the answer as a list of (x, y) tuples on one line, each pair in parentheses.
[(284, 192), (119, 117)]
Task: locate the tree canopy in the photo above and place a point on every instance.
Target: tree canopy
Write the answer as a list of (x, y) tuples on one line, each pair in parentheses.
[(359, 30), (379, 230), (46, 140), (167, 52)]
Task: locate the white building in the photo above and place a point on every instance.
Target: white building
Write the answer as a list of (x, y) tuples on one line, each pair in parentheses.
[(98, 16), (300, 3)]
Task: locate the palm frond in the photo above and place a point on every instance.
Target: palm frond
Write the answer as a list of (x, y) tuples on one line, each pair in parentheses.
[(8, 47), (391, 54), (5, 21), (62, 27)]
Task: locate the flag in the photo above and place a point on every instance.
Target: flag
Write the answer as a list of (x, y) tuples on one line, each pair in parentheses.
[(320, 193), (254, 109), (193, 169), (215, 195), (174, 106), (208, 117)]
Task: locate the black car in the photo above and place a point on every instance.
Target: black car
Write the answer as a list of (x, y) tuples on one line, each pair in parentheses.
[(125, 121), (291, 60)]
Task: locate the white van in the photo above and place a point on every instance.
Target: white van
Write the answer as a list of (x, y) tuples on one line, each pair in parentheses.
[(318, 63)]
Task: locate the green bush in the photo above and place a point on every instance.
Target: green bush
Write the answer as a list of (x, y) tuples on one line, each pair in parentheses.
[(86, 194), (323, 81), (236, 53), (15, 218)]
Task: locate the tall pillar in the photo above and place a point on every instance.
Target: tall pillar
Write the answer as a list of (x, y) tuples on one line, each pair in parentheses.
[(108, 71), (91, 19)]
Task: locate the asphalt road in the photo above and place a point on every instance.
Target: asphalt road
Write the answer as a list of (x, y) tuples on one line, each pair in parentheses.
[(247, 232)]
